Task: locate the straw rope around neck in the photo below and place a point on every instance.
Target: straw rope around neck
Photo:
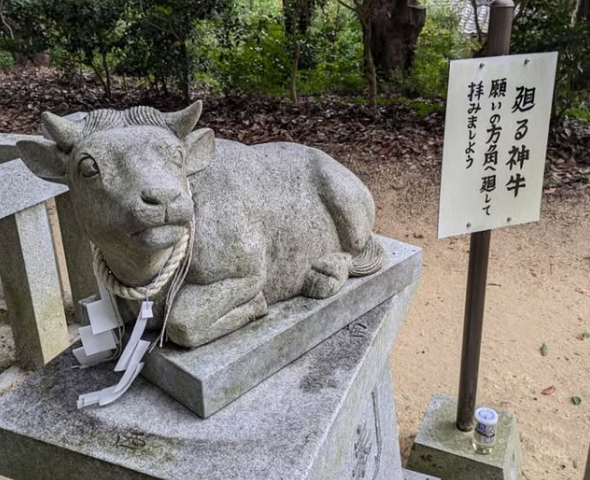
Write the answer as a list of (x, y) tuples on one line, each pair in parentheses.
[(176, 267), (119, 289)]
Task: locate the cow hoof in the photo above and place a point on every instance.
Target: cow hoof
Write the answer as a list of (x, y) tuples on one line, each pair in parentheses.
[(327, 276)]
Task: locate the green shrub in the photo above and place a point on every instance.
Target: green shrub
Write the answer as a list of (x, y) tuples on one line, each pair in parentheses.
[(333, 54), (440, 41), (6, 60), (250, 52), (547, 26), (250, 55), (29, 25)]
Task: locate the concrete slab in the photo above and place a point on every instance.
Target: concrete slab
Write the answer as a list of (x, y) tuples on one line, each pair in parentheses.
[(441, 449), (208, 378), (327, 416)]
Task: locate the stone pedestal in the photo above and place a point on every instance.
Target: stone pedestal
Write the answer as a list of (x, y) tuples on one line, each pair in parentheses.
[(212, 376), (441, 449), (329, 415)]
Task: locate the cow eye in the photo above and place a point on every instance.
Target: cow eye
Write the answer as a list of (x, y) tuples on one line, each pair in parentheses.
[(88, 167)]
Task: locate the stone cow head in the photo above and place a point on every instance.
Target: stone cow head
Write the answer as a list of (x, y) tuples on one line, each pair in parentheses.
[(127, 171)]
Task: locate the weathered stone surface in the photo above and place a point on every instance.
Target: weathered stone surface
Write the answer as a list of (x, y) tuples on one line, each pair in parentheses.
[(327, 416), (78, 254), (21, 189), (31, 286), (8, 150), (441, 449), (10, 377), (271, 221), (409, 475), (7, 349), (207, 378)]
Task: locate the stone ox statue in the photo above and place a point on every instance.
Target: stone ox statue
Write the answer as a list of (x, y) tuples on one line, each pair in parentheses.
[(246, 226)]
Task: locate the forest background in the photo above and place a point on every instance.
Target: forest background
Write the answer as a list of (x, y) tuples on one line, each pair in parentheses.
[(364, 51)]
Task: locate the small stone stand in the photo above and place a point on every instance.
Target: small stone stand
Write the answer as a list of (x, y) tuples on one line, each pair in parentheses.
[(27, 266), (443, 450), (77, 251), (329, 415)]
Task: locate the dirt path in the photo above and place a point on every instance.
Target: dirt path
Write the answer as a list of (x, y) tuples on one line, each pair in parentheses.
[(539, 292)]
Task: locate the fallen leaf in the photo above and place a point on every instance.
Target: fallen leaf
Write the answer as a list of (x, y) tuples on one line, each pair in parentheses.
[(549, 390), (544, 350), (576, 400), (583, 291)]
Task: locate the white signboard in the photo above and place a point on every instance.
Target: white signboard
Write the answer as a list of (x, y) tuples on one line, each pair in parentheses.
[(496, 129)]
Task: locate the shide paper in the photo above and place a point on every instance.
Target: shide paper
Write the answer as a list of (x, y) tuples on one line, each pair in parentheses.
[(102, 338)]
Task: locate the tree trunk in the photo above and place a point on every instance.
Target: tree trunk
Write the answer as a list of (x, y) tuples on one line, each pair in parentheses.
[(295, 69), (583, 10), (185, 80), (5, 22), (370, 70), (100, 78), (396, 25), (107, 75)]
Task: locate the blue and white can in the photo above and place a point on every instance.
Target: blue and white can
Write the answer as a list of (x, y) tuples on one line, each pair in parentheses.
[(486, 422)]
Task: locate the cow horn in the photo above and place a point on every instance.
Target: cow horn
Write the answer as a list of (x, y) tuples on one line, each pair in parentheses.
[(62, 131), (183, 122)]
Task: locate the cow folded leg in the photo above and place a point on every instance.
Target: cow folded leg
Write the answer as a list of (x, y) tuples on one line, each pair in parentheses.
[(203, 313), (326, 276)]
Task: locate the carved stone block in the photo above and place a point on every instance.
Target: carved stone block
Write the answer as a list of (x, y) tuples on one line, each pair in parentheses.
[(329, 415)]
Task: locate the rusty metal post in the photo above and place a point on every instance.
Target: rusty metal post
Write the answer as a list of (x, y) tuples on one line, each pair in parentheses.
[(587, 474), (498, 43)]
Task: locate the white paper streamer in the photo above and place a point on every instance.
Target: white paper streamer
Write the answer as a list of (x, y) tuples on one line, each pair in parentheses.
[(145, 313), (99, 341)]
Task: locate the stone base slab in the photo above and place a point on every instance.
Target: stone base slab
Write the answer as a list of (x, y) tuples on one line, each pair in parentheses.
[(441, 449), (327, 416), (210, 377)]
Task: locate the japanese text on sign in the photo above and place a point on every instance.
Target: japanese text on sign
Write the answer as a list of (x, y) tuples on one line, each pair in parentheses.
[(496, 129)]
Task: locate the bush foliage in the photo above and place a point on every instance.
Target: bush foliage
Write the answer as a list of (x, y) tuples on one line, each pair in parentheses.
[(250, 45), (548, 26)]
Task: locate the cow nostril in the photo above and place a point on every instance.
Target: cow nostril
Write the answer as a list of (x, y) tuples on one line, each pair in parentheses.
[(159, 196), (150, 198)]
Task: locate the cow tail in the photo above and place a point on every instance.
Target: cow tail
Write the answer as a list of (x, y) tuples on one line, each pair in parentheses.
[(369, 261)]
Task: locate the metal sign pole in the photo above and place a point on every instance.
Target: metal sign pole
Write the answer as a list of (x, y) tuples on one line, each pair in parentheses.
[(587, 474), (498, 43)]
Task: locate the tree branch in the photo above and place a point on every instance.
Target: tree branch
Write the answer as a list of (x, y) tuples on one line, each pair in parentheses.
[(346, 5), (477, 25), (4, 21)]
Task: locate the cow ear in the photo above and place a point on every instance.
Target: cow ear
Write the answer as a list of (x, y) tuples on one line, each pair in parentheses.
[(200, 149), (44, 159)]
